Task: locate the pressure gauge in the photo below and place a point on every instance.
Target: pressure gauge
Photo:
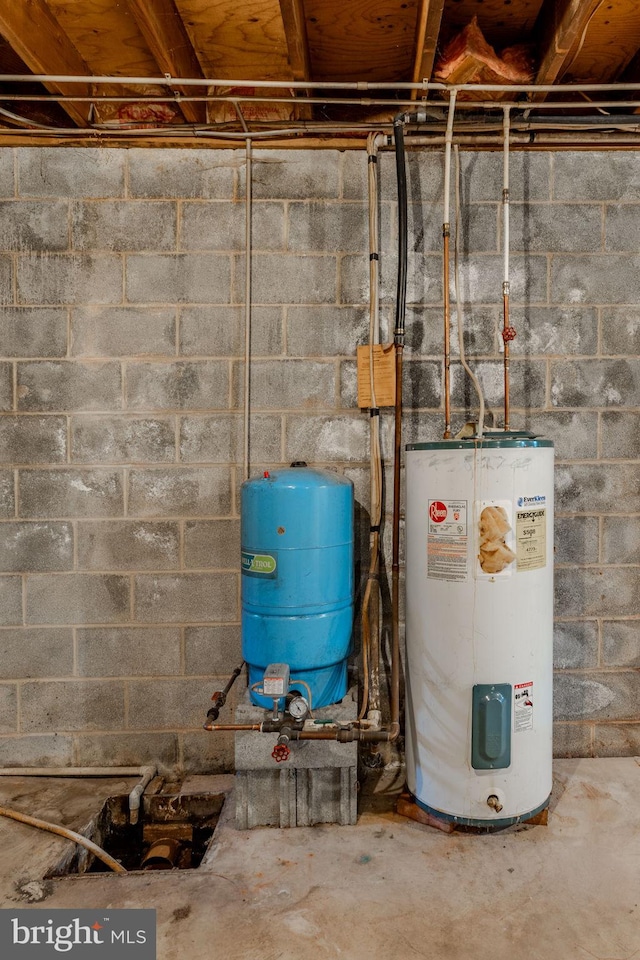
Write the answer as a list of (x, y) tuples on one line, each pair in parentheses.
[(298, 707)]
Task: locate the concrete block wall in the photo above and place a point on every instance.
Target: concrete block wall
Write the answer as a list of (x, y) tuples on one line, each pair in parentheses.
[(121, 342)]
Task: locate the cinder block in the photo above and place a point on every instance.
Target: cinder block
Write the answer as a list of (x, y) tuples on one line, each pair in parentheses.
[(33, 440), (621, 643), (421, 384), (353, 175), (425, 177), (296, 175), (129, 652), (124, 749), (62, 385), (591, 488), (289, 384), (214, 651), (417, 427), (187, 598), (478, 228), (620, 327), (123, 331), (127, 750), (27, 547), (577, 540), (70, 493), (326, 331), (211, 544), (7, 494), (7, 185), (33, 332), (124, 225), (77, 598), (29, 652), (267, 226), (620, 435), (616, 740), (220, 438), (69, 278), (178, 278), (181, 492), (6, 282), (621, 540), (621, 228), (10, 601), (424, 278), (597, 696), (123, 439), (555, 227), (219, 331), (591, 383), (596, 591), (574, 433), (327, 439), (194, 385), (327, 227), (183, 173), (575, 644), (212, 226), (128, 545), (36, 751), (527, 383), (8, 708), (68, 705), (205, 752), (606, 278), (482, 176), (554, 330), (481, 278), (6, 386), (572, 740), (607, 176), (425, 334), (168, 704), (84, 172), (300, 279), (34, 225)]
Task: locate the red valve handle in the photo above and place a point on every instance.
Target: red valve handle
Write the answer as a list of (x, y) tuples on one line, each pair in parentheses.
[(280, 752), (509, 333)]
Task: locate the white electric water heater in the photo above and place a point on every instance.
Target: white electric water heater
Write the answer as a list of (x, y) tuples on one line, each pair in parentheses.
[(479, 620)]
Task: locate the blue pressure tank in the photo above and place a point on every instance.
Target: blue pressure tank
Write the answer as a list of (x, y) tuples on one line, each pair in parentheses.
[(297, 579)]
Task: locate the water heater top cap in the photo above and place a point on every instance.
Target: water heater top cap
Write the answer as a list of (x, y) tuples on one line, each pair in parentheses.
[(491, 440)]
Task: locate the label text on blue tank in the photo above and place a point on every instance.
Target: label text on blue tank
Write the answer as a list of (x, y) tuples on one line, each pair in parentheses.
[(259, 565)]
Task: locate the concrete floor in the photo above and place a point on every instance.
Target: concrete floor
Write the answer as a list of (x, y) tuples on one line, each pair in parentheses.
[(386, 887)]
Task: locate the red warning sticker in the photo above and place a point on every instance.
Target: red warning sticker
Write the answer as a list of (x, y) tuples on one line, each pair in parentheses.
[(522, 707)]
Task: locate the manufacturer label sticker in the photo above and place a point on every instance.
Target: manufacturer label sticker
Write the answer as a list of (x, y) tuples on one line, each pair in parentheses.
[(531, 538), (522, 707), (259, 565), (447, 540)]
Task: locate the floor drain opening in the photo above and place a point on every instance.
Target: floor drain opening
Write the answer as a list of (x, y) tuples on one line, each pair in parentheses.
[(173, 833)]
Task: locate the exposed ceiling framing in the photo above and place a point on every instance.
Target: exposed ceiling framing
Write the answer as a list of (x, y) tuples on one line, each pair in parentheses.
[(295, 48)]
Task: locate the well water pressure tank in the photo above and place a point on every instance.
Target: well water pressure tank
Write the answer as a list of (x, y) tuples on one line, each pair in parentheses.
[(297, 579), (479, 620)]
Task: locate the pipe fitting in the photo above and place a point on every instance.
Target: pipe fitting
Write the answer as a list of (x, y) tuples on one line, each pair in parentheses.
[(494, 802)]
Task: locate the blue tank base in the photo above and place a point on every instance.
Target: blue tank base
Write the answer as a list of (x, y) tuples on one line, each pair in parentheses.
[(328, 685), (494, 824)]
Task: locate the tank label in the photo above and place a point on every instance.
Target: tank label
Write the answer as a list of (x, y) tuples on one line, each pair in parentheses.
[(522, 707), (259, 565), (447, 540), (531, 538)]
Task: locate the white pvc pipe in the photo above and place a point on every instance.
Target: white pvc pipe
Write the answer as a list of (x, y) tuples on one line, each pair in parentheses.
[(247, 307), (146, 773), (505, 197)]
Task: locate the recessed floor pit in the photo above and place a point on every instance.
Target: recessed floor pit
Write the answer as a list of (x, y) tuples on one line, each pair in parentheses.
[(173, 833)]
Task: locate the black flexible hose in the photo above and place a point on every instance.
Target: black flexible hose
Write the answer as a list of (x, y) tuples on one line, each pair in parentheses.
[(401, 175)]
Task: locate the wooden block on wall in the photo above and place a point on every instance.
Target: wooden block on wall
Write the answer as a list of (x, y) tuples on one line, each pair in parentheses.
[(384, 375)]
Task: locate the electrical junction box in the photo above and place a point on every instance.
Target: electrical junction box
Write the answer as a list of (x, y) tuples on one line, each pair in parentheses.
[(276, 680)]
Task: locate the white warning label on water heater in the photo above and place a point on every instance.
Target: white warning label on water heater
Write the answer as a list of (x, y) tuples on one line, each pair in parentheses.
[(447, 540), (522, 707), (531, 538)]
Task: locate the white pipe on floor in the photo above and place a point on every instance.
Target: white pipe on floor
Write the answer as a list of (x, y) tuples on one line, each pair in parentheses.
[(146, 774)]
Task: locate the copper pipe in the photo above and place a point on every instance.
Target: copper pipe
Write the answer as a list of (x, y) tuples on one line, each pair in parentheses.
[(233, 726), (447, 332)]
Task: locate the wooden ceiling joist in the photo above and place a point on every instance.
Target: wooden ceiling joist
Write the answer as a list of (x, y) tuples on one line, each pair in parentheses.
[(562, 24), (427, 31), (165, 35), (32, 31), (293, 19)]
